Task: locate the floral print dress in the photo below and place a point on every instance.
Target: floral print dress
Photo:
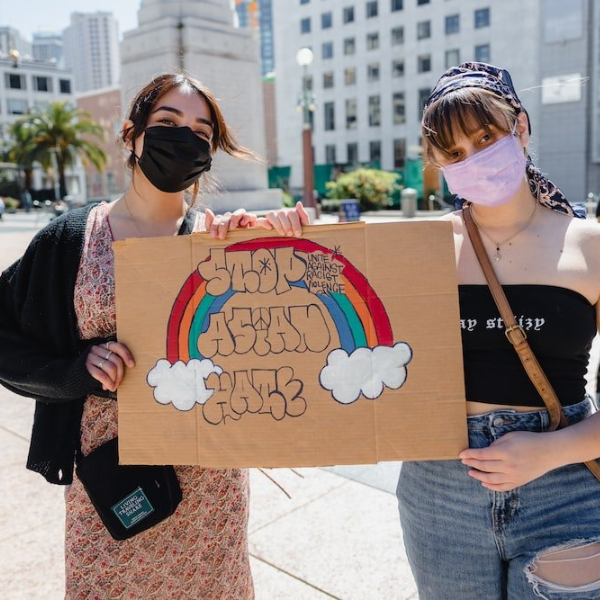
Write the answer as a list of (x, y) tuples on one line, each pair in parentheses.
[(201, 551)]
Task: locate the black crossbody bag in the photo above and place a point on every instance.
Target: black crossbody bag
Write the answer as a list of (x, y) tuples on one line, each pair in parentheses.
[(128, 498)]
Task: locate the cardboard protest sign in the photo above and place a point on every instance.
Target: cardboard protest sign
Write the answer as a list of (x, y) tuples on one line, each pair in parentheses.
[(340, 347)]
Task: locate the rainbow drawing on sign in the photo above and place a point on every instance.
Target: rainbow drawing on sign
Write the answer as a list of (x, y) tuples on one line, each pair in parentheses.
[(359, 316)]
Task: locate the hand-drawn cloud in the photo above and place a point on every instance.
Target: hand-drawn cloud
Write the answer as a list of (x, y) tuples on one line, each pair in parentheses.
[(182, 384), (366, 371)]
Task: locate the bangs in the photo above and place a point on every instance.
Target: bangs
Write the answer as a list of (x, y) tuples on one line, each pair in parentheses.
[(463, 112)]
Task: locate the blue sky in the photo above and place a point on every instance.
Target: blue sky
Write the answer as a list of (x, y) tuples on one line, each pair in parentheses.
[(29, 16)]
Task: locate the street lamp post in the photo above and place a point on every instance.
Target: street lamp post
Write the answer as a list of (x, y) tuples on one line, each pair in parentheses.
[(304, 58)]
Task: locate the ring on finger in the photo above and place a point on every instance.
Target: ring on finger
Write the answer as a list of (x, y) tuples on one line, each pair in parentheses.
[(108, 345), (101, 363), (108, 355)]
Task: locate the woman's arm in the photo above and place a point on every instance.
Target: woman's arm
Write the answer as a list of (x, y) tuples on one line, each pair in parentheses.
[(521, 456), (41, 355)]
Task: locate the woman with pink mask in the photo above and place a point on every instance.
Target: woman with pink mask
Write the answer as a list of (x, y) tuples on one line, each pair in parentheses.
[(518, 515)]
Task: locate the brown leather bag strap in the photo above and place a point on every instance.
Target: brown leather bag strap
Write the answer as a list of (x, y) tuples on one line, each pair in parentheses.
[(518, 338)]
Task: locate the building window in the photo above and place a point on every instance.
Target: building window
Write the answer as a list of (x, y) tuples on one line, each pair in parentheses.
[(399, 108), (424, 93), (329, 112), (350, 75), (374, 111), (349, 14), (16, 106), (452, 58), (328, 79), (330, 154), (15, 82), (398, 68), (421, 2), (372, 9), (452, 24), (351, 117), (326, 20), (327, 50), (65, 86), (372, 41), (373, 72), (349, 46), (375, 151), (482, 53), (396, 5), (424, 63), (352, 153), (399, 153), (397, 36), (482, 18), (304, 1), (305, 25), (42, 84), (423, 30)]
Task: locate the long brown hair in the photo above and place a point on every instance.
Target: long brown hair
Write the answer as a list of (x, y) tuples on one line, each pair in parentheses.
[(146, 99), (463, 111)]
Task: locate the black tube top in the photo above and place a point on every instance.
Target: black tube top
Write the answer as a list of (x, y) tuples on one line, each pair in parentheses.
[(560, 325)]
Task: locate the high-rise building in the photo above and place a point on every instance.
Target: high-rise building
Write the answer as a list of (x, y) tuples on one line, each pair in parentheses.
[(10, 39), (375, 62), (91, 45), (47, 46), (258, 15)]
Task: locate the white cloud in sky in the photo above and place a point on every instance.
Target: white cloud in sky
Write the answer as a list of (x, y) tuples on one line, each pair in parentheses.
[(181, 384), (366, 371)]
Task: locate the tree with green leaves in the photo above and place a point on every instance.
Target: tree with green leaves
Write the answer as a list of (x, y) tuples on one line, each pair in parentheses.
[(60, 129), (20, 151)]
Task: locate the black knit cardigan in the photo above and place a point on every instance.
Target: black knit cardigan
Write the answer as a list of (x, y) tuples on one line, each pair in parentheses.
[(41, 353)]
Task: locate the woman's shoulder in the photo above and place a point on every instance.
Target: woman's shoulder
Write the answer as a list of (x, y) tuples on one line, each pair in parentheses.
[(72, 221)]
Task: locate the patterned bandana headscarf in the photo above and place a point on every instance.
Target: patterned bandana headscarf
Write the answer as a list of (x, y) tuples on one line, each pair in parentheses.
[(498, 81)]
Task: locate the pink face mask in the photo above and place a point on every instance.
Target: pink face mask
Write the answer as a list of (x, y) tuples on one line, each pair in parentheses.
[(490, 177)]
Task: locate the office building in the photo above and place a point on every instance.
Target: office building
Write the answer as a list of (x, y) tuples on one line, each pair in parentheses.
[(258, 15), (25, 85), (375, 62), (47, 46), (91, 49), (11, 39)]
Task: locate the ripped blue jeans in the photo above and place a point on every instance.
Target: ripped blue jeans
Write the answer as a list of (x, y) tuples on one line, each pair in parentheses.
[(465, 542)]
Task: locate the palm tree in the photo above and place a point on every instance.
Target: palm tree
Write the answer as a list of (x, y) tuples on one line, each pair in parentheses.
[(22, 136), (64, 130)]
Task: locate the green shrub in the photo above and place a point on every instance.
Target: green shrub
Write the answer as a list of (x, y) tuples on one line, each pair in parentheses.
[(371, 187), (11, 203), (288, 199)]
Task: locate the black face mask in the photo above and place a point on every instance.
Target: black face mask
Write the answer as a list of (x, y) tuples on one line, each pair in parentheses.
[(173, 158)]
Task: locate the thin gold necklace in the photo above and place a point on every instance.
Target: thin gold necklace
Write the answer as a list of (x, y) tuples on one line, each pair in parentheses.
[(135, 221), (497, 256), (132, 217)]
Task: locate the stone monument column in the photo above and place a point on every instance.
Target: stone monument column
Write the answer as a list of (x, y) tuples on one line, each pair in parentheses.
[(198, 37)]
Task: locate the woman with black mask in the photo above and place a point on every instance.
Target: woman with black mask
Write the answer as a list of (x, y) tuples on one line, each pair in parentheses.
[(59, 345)]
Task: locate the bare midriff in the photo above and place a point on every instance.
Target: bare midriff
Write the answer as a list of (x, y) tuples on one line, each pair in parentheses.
[(480, 408)]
